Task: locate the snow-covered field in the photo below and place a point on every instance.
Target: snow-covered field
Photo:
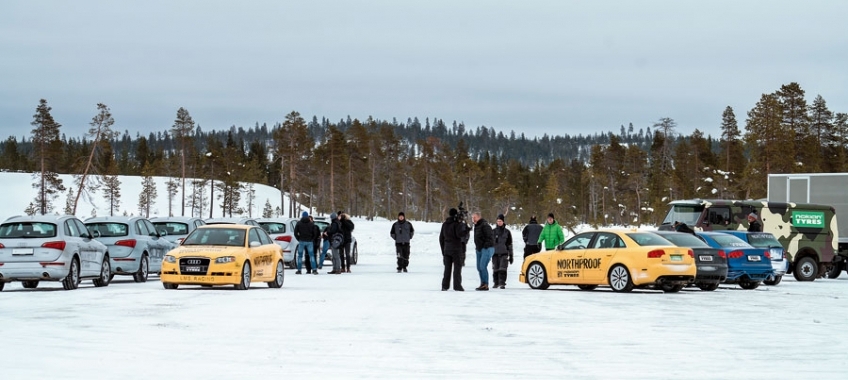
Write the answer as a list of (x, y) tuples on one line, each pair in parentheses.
[(378, 323)]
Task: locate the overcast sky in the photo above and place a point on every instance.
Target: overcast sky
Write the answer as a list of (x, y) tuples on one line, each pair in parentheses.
[(536, 67)]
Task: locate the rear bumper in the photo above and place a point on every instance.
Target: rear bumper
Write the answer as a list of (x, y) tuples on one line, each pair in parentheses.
[(125, 265), (34, 271), (760, 275), (669, 273), (711, 273), (780, 267)]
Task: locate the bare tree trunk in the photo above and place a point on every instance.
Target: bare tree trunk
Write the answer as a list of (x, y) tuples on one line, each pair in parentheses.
[(182, 203)]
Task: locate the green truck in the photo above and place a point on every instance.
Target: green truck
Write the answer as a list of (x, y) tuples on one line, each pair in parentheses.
[(808, 232)]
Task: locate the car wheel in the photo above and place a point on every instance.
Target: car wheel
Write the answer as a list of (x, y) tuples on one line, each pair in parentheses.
[(245, 277), (587, 287), (619, 279), (708, 286), (749, 284), (279, 277), (536, 277), (170, 286), (143, 267), (72, 280), (806, 269), (773, 282), (671, 288), (105, 274), (355, 255), (31, 284), (835, 270)]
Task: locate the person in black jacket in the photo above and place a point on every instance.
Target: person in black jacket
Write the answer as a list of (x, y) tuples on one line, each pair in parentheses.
[(503, 253), (402, 233), (347, 229), (450, 242), (484, 243), (304, 233), (530, 234), (333, 229), (316, 245), (754, 224)]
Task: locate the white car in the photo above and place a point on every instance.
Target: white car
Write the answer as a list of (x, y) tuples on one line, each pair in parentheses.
[(51, 248), (282, 231), (245, 221), (176, 228), (135, 245)]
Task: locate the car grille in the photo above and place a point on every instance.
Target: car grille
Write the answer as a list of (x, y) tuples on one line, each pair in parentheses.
[(194, 265)]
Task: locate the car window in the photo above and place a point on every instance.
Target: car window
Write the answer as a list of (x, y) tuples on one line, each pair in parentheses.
[(763, 240), (150, 228), (648, 239), (142, 229), (273, 227), (263, 237), (607, 240), (109, 229), (199, 223), (719, 215), (685, 240), (27, 230), (172, 228), (254, 236), (725, 240), (579, 242), (80, 227), (216, 236)]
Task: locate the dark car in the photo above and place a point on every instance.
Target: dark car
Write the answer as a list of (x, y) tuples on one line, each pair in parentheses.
[(765, 240), (746, 265), (711, 262)]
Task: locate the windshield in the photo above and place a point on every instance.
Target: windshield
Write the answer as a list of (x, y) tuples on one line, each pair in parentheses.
[(231, 237), (109, 229), (321, 225), (684, 214), (273, 227), (172, 228), (27, 230), (645, 238), (725, 240), (763, 240), (685, 240)]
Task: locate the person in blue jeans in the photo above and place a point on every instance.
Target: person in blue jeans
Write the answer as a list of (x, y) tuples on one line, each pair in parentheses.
[(326, 245), (304, 232), (484, 242)]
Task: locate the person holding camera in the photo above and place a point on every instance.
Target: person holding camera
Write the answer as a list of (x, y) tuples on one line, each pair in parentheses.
[(450, 242), (484, 242), (334, 230), (401, 233)]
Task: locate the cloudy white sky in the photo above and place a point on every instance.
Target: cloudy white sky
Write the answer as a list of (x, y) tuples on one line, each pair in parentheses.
[(532, 66)]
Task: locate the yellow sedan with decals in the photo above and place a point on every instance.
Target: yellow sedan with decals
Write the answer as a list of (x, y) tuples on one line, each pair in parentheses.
[(622, 260), (224, 255)]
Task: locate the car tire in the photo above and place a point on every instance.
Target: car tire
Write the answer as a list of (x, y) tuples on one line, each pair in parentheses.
[(170, 286), (537, 278), (279, 276), (749, 284), (2, 285), (671, 288), (619, 279), (355, 255), (806, 269), (773, 282), (105, 274), (72, 280), (836, 269), (708, 286), (30, 284), (587, 287), (143, 268), (245, 277)]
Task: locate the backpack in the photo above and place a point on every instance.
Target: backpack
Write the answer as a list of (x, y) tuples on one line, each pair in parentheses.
[(337, 240)]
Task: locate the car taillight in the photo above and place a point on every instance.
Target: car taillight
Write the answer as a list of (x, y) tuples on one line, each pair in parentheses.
[(284, 238), (691, 253), (766, 254), (126, 243), (60, 245), (655, 254), (2, 246), (722, 254), (735, 254)]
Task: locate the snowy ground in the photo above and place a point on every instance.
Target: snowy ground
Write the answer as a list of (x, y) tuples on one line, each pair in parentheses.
[(378, 323)]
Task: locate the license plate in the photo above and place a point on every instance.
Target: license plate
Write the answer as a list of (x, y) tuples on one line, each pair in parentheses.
[(706, 258), (754, 258), (676, 258), (193, 269), (197, 278), (22, 251)]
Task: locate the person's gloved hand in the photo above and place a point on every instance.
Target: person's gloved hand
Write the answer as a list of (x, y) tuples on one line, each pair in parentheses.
[(510, 259)]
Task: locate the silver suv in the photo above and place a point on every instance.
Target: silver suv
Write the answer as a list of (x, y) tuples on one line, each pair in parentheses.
[(135, 246), (176, 228), (51, 248)]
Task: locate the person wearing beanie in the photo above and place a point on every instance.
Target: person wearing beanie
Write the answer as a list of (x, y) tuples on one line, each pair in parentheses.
[(754, 223), (551, 235), (401, 233), (484, 243), (347, 230), (503, 253), (530, 235), (304, 232), (450, 242), (335, 236)]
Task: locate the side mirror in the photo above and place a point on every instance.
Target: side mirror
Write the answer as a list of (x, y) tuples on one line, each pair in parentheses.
[(163, 233), (94, 235), (255, 244)]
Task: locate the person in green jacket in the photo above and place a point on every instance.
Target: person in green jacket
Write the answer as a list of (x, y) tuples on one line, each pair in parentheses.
[(551, 235)]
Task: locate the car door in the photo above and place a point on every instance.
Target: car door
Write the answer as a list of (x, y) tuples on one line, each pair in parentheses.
[(162, 245), (83, 248), (272, 249), (597, 257), (566, 258), (260, 256), (142, 236), (97, 251)]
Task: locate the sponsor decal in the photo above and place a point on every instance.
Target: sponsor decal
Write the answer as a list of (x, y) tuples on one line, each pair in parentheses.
[(814, 219), (197, 278), (568, 274), (262, 260), (578, 263)]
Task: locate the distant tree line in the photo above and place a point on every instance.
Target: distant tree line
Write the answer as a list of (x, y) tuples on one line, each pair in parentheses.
[(378, 167)]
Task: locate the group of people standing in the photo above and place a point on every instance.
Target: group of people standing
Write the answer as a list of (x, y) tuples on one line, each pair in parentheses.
[(337, 238)]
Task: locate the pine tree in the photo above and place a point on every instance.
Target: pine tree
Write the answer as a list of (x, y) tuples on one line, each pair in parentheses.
[(110, 180), (172, 188), (31, 209), (293, 144), (267, 212), (766, 137), (182, 132), (47, 150), (732, 155), (803, 143), (100, 133), (69, 202), (823, 131), (147, 197)]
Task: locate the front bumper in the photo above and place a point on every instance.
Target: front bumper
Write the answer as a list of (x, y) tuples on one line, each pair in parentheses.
[(217, 274), (58, 270)]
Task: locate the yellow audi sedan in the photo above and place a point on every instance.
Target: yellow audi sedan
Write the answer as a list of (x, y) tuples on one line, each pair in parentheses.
[(224, 255), (623, 260)]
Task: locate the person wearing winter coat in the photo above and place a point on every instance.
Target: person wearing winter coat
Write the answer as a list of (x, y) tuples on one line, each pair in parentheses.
[(450, 241), (503, 253), (401, 233), (316, 246), (484, 243), (347, 229), (531, 234), (334, 228), (551, 235), (754, 223), (304, 232)]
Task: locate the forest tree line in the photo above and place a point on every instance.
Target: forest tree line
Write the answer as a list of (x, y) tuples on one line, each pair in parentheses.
[(378, 167)]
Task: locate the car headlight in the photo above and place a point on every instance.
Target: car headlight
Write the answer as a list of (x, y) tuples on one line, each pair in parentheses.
[(225, 259), (170, 259)]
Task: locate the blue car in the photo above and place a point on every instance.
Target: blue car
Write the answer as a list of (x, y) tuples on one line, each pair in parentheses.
[(767, 241), (746, 265)]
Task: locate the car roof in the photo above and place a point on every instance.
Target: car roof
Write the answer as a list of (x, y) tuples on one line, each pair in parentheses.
[(274, 220), (174, 219), (228, 220), (39, 218), (227, 226), (117, 219)]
